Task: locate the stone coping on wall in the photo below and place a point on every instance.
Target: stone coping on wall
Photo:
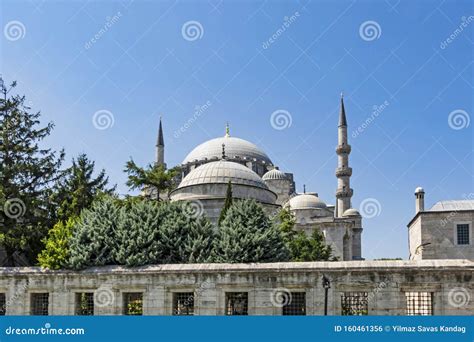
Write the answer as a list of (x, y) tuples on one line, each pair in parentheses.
[(353, 266)]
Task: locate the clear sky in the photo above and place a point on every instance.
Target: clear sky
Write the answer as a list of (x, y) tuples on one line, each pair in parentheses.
[(405, 67)]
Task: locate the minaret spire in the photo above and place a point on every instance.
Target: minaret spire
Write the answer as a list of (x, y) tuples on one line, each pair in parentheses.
[(160, 147), (343, 171)]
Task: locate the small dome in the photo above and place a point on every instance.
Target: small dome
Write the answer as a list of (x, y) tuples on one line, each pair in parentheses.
[(222, 171), (306, 201), (234, 147), (274, 174), (419, 189), (350, 212)]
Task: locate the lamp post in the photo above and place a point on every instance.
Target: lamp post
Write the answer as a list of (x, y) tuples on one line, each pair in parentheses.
[(326, 286)]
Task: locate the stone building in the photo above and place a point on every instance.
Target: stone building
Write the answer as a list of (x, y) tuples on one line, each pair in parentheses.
[(209, 167), (442, 232), (425, 287)]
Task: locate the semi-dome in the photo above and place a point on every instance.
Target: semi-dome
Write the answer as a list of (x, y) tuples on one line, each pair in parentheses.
[(351, 212), (274, 174), (306, 201), (222, 171), (234, 148)]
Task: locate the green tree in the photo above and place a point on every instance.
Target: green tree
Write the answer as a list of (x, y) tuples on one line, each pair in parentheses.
[(56, 253), (27, 175), (187, 235), (301, 246), (94, 239), (246, 235), (310, 248), (78, 188), (152, 179), (227, 203)]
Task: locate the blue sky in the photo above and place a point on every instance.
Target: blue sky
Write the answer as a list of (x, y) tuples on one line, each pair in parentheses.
[(393, 57)]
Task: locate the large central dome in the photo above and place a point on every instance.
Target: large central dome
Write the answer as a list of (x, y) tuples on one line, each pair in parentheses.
[(222, 171), (234, 148)]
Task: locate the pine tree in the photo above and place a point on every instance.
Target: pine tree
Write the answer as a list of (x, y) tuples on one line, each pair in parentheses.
[(94, 240), (78, 188), (152, 179), (56, 253), (27, 175), (227, 203), (246, 235)]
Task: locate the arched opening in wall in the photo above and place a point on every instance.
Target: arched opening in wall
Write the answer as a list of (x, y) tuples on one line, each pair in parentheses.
[(345, 247)]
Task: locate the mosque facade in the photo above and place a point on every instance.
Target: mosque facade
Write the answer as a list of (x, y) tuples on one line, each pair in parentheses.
[(206, 171)]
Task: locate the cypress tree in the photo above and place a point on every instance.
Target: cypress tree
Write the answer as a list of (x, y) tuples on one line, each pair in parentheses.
[(227, 203)]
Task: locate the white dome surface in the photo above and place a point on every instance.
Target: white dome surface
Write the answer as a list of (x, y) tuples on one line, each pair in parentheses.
[(222, 171), (351, 212), (306, 201), (274, 174), (234, 147)]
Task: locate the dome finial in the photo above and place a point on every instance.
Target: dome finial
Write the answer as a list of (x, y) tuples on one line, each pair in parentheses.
[(227, 130), (304, 188), (223, 151)]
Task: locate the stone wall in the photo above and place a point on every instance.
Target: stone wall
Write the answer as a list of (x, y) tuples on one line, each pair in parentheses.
[(451, 283), (432, 235)]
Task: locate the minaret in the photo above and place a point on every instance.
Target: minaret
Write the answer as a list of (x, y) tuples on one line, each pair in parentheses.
[(160, 147), (343, 171)]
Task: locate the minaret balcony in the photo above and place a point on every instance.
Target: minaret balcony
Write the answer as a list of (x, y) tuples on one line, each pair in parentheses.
[(343, 149), (340, 193), (344, 171)]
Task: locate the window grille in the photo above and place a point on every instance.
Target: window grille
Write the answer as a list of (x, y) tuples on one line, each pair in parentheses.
[(355, 303), (237, 303), (463, 234), (183, 303), (133, 303), (419, 303), (85, 304), (40, 304), (3, 304), (296, 305)]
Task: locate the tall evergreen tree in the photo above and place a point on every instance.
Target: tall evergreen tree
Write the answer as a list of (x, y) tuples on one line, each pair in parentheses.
[(246, 235), (94, 239), (153, 179), (27, 174), (78, 188), (227, 203)]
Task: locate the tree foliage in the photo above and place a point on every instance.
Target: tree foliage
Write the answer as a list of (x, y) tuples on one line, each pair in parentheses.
[(27, 175), (301, 246), (227, 202), (56, 253), (78, 188), (246, 235), (94, 240), (153, 179)]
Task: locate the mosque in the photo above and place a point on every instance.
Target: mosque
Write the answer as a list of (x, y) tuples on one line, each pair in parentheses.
[(206, 171)]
